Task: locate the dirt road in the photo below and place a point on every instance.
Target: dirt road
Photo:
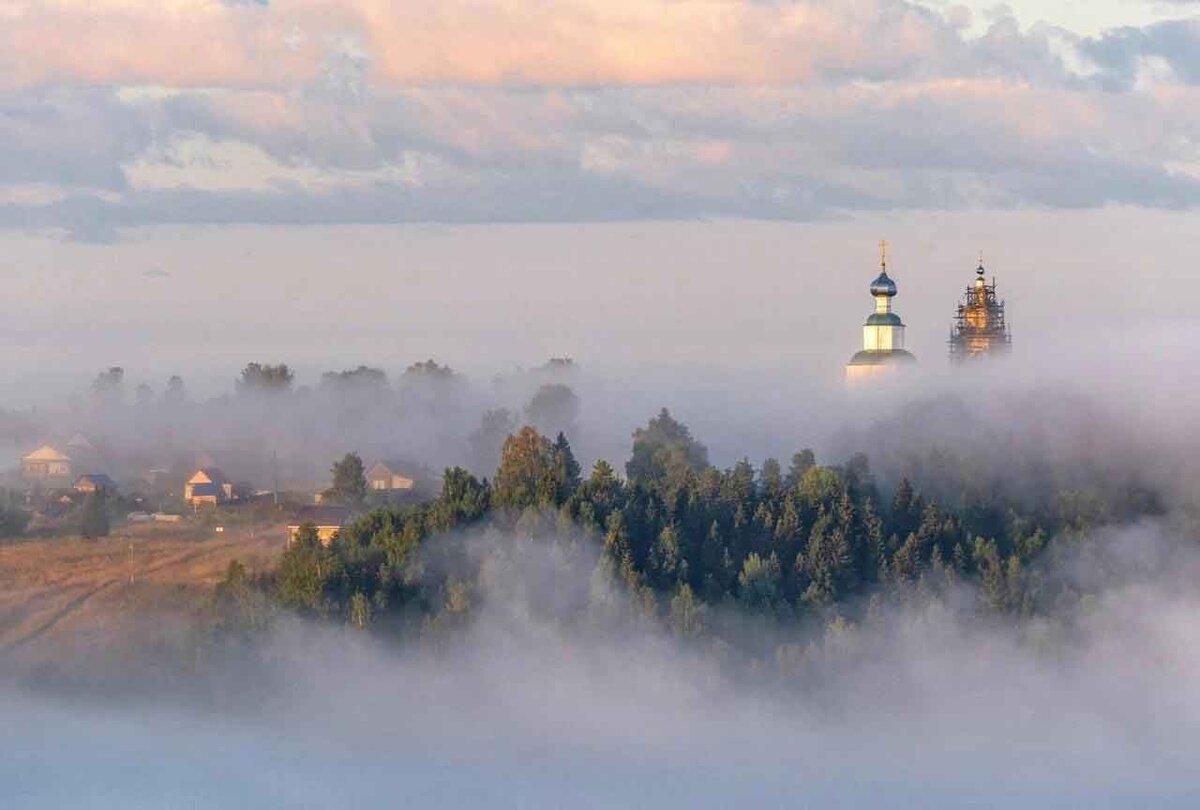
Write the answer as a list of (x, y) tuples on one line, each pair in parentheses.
[(72, 597)]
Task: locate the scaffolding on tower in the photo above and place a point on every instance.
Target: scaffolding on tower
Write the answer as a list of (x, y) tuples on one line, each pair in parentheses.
[(979, 326)]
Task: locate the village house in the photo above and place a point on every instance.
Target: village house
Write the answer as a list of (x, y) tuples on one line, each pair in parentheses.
[(46, 466), (208, 487), (389, 476), (328, 521), (95, 482)]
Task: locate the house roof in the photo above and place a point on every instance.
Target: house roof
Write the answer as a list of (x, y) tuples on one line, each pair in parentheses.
[(404, 467), (46, 453), (213, 474), (321, 516)]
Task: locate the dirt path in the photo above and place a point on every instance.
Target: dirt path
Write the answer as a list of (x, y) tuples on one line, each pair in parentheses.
[(72, 596)]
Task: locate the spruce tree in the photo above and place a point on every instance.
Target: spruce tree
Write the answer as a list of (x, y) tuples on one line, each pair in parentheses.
[(93, 522)]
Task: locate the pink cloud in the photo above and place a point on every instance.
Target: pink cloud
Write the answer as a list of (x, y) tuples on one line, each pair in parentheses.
[(188, 43)]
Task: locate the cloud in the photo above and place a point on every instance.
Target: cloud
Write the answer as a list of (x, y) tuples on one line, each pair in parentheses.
[(459, 41), (457, 111), (1123, 53)]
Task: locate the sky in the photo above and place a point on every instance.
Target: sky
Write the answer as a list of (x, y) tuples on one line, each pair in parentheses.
[(208, 179)]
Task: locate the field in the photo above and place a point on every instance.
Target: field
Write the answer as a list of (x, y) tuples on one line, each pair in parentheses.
[(65, 601)]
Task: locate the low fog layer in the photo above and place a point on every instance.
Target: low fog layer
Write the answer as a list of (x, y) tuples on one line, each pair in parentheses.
[(926, 708), (926, 704)]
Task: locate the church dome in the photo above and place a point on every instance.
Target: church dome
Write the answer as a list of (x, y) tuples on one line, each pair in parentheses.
[(883, 285)]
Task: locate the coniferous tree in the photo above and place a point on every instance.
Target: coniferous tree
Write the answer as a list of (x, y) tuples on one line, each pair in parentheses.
[(759, 582), (687, 615), (567, 468), (664, 453), (93, 521), (802, 462), (770, 479)]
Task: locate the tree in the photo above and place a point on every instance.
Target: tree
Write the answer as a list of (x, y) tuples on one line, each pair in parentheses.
[(664, 453), (360, 610), (176, 393), (802, 462), (556, 365), (566, 468), (770, 478), (93, 521), (13, 519), (430, 388), (553, 409), (759, 582), (304, 568), (906, 510), (465, 498), (666, 556), (828, 562), (687, 616), (486, 443), (528, 474), (429, 370), (258, 378), (109, 383), (240, 609), (349, 481), (363, 378)]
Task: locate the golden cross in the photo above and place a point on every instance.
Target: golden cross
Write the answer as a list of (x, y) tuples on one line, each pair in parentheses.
[(981, 258), (883, 253)]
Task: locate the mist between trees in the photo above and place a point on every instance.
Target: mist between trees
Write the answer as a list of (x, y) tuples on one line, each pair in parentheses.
[(978, 506), (976, 592), (270, 426)]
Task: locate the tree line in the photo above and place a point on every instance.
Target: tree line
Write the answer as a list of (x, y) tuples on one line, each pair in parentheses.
[(682, 541)]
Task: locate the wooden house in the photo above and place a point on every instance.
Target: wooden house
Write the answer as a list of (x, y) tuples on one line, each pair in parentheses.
[(47, 466), (95, 482), (391, 476), (208, 486), (327, 520)]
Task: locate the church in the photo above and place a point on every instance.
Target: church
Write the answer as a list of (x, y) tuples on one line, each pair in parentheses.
[(979, 328), (883, 334)]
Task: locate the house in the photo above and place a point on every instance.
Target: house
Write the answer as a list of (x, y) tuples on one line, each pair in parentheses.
[(95, 482), (328, 521), (389, 476), (46, 466), (208, 486)]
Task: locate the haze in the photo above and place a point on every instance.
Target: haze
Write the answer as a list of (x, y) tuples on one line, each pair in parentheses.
[(686, 198)]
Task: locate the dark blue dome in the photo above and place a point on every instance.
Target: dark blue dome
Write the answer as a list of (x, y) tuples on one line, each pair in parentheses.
[(883, 285)]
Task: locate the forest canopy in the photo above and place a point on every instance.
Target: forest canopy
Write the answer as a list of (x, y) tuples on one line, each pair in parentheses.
[(682, 543)]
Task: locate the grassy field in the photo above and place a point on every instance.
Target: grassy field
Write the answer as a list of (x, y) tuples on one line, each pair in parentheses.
[(65, 600)]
